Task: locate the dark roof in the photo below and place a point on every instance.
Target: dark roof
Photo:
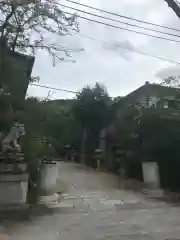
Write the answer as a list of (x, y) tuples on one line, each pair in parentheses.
[(122, 107), (17, 82), (29, 60), (147, 90), (62, 101)]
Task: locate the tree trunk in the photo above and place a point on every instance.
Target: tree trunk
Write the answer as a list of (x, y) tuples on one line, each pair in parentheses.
[(172, 4), (83, 146)]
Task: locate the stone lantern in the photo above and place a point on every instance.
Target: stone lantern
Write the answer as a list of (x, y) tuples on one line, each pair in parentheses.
[(98, 157)]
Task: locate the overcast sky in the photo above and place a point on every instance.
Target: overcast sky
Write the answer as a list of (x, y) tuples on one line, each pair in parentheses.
[(119, 70)]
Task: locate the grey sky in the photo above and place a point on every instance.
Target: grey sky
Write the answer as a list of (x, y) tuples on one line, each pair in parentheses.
[(119, 70)]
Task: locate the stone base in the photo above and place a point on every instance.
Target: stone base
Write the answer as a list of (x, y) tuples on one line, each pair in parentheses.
[(154, 193), (131, 184), (10, 177), (49, 177), (13, 207), (9, 167), (13, 189), (151, 175)]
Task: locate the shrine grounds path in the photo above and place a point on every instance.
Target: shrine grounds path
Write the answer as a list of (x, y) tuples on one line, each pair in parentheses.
[(96, 208)]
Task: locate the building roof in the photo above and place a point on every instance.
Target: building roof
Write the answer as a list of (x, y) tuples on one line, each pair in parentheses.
[(21, 65), (145, 90), (123, 106)]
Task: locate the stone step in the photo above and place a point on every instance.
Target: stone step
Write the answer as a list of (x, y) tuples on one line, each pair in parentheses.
[(12, 154), (8, 167), (11, 161), (16, 154), (10, 177), (16, 158)]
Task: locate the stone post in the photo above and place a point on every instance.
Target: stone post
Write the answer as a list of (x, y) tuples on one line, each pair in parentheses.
[(98, 157), (151, 174)]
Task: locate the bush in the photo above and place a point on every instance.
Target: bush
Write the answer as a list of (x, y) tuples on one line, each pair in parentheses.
[(32, 149)]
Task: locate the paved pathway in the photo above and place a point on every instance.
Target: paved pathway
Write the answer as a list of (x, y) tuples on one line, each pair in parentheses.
[(95, 208)]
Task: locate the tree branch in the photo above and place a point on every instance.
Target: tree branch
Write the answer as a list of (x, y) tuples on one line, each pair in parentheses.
[(23, 21), (172, 4), (4, 25), (13, 45)]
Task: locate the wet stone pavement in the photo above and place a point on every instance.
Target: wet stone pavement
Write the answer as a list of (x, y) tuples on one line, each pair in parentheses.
[(95, 208)]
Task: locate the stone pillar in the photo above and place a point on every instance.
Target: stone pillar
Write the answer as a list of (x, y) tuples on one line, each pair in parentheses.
[(98, 158), (49, 177), (98, 165), (151, 174)]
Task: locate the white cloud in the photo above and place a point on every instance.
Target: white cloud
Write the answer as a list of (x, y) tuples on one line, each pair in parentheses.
[(98, 63), (168, 72)]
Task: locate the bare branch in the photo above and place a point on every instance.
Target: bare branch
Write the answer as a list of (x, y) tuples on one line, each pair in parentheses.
[(5, 23), (36, 19), (48, 96)]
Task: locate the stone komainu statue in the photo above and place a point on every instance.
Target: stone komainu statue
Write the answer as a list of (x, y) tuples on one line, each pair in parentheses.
[(10, 142)]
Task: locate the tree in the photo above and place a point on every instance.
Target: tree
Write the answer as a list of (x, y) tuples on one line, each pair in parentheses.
[(52, 121), (25, 28), (171, 81), (91, 111), (91, 103)]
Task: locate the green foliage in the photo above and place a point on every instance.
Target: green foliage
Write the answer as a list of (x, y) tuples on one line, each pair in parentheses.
[(90, 108), (33, 116), (91, 111), (32, 147), (160, 137), (33, 151), (51, 121), (61, 123)]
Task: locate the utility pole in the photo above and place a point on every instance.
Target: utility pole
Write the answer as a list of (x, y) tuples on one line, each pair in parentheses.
[(175, 7)]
